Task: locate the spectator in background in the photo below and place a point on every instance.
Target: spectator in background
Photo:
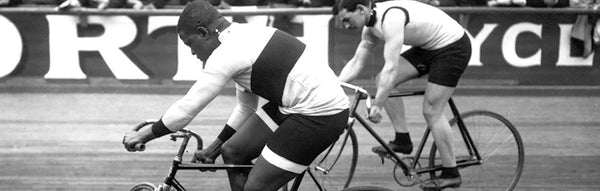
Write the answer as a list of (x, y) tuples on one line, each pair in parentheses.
[(160, 4), (507, 3), (547, 3), (10, 3), (596, 35), (292, 24), (263, 20), (585, 32), (433, 2), (102, 4)]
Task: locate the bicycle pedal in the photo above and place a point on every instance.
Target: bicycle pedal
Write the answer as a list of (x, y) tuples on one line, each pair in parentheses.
[(382, 157), (408, 159)]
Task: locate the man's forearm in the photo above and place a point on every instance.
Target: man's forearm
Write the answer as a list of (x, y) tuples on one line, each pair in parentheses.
[(349, 72), (384, 85), (180, 114), (381, 96)]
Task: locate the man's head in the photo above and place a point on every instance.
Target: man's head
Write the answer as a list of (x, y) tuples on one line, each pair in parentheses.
[(197, 28), (353, 14)]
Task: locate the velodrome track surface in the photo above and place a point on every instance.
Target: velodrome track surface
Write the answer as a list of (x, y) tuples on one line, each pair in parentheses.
[(72, 141)]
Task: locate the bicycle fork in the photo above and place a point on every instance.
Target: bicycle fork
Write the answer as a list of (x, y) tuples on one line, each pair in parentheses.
[(170, 180)]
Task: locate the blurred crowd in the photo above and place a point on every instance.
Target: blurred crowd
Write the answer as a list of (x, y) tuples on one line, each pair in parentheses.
[(224, 4), (585, 34), (160, 4)]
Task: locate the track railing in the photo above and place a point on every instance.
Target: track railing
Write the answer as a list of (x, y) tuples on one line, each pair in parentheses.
[(294, 11)]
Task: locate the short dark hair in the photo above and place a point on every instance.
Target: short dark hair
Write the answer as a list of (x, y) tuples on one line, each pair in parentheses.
[(350, 5), (197, 13)]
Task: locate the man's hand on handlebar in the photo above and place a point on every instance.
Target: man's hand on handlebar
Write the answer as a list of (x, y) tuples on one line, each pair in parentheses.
[(206, 156), (209, 154), (135, 140), (132, 141), (375, 114)]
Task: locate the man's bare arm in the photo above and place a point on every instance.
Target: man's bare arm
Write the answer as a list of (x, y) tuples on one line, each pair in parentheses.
[(393, 32)]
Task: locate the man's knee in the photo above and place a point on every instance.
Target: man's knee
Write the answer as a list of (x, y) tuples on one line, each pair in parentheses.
[(430, 113), (253, 186), (233, 154)]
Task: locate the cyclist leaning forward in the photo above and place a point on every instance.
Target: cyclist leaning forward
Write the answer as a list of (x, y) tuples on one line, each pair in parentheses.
[(306, 110), (440, 48)]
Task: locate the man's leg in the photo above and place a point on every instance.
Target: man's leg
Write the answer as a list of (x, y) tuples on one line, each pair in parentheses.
[(266, 176), (294, 145), (402, 142), (436, 97), (395, 110), (244, 146), (394, 107)]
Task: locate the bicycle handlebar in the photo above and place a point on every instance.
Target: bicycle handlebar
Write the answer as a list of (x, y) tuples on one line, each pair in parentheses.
[(361, 91), (142, 146)]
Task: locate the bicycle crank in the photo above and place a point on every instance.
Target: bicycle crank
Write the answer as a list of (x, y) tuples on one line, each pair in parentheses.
[(402, 179), (384, 156), (164, 187)]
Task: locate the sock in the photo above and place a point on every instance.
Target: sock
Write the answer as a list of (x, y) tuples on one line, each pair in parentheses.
[(449, 172), (402, 139)]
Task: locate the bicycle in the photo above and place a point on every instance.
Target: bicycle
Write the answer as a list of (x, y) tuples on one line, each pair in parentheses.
[(479, 154), (170, 183)]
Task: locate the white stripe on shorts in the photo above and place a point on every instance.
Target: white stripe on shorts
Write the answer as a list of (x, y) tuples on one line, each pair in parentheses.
[(281, 162), (267, 120)]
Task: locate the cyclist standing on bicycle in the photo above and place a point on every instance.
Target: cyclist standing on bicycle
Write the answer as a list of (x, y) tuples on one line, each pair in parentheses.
[(306, 112), (440, 48)]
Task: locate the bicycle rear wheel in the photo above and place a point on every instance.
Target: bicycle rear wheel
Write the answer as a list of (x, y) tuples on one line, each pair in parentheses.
[(499, 145), (334, 168)]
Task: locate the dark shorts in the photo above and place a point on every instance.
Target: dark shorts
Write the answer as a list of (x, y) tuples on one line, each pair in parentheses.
[(299, 139), (444, 65)]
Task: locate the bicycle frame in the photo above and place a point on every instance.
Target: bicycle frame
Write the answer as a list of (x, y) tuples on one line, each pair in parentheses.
[(410, 170), (177, 163)]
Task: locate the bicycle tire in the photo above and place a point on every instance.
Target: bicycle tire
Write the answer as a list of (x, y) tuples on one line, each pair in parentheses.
[(502, 158), (144, 186), (367, 188), (340, 159)]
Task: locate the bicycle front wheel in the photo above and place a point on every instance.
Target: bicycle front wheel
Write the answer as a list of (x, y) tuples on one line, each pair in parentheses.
[(144, 186), (499, 145), (367, 188), (334, 168)]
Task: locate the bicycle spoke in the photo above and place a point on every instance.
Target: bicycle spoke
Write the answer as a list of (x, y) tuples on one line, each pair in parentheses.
[(505, 142)]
